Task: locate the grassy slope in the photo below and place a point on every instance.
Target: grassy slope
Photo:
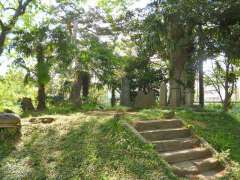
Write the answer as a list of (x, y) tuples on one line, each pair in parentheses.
[(222, 130), (79, 146)]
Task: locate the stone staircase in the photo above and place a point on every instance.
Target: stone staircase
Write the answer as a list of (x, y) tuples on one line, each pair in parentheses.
[(186, 154)]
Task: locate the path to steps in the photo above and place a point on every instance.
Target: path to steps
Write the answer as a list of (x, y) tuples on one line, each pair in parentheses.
[(184, 152)]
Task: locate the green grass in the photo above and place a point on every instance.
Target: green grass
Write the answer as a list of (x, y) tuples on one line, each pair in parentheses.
[(94, 145), (80, 146), (222, 130)]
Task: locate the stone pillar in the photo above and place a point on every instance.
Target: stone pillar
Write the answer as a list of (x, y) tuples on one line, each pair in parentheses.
[(163, 94), (125, 93), (189, 97)]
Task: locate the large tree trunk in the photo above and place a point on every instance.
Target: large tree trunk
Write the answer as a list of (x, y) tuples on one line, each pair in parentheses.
[(175, 94), (201, 84), (75, 97), (177, 66), (41, 98), (85, 78), (180, 52)]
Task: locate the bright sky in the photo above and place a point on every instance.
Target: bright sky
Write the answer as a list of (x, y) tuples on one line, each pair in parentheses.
[(6, 61)]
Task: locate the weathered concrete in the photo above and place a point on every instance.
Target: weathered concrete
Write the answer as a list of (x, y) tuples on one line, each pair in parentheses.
[(143, 100), (163, 95), (158, 124), (165, 134), (125, 93), (188, 155), (9, 119)]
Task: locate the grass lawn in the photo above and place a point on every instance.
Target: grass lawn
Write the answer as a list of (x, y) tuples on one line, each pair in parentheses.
[(94, 145), (79, 146)]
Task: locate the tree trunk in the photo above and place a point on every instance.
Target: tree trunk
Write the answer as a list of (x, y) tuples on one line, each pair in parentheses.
[(113, 98), (201, 84), (85, 78), (75, 91), (226, 102), (175, 94), (6, 28), (175, 79), (2, 40), (41, 97), (226, 88)]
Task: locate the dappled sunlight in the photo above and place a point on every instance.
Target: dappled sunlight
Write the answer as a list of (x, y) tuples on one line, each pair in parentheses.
[(80, 146)]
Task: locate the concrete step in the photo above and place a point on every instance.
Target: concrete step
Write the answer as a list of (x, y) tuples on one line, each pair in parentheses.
[(176, 144), (208, 164), (158, 124), (185, 155), (209, 175), (165, 134), (195, 167), (184, 168)]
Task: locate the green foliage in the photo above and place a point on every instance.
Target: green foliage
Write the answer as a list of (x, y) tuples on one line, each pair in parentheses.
[(114, 6), (12, 89), (46, 46), (145, 75), (42, 72)]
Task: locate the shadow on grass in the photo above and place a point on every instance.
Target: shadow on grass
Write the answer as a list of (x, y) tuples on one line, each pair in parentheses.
[(91, 150), (9, 137), (68, 109), (106, 150), (30, 162), (62, 109)]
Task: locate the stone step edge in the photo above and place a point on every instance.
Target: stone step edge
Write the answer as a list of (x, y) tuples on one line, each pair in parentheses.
[(157, 124), (153, 121), (182, 143), (194, 153), (198, 166), (163, 130), (176, 139)]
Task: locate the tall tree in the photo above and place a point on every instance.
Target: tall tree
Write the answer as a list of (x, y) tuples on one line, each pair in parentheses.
[(7, 23), (47, 47), (169, 29)]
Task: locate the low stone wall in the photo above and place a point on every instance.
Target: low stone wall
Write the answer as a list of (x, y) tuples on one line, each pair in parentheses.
[(10, 127)]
